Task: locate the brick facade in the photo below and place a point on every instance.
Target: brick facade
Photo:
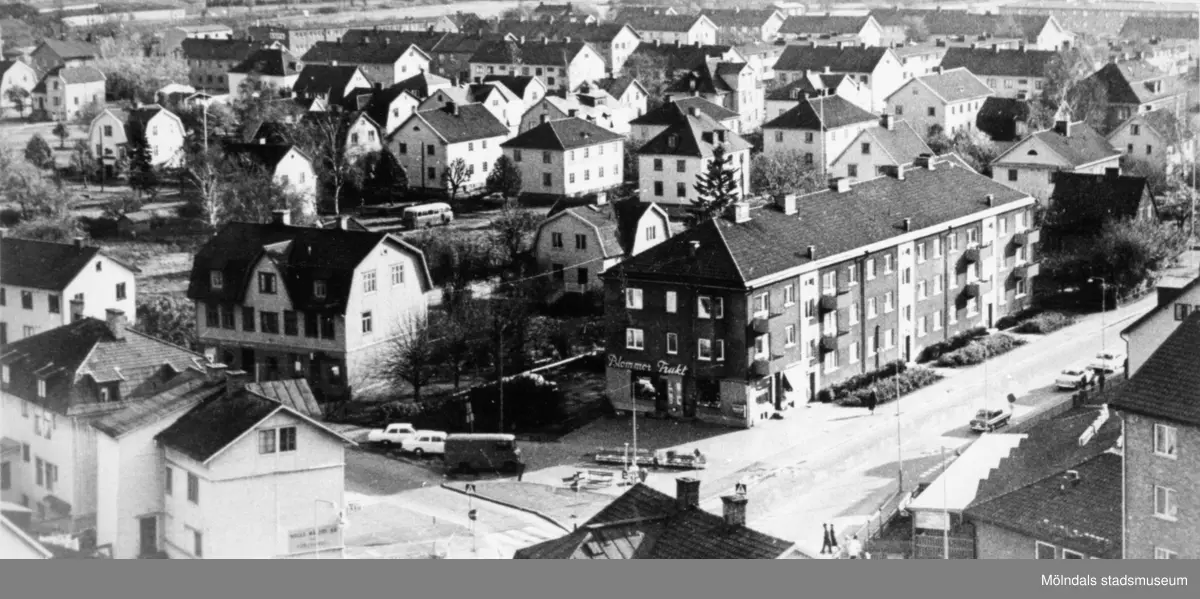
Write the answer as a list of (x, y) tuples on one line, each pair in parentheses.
[(1144, 470)]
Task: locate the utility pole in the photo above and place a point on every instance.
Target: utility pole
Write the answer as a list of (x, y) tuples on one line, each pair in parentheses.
[(899, 445), (945, 509)]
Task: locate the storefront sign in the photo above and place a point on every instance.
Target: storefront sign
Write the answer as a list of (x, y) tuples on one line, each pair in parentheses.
[(739, 409), (301, 540), (661, 367), (930, 520)]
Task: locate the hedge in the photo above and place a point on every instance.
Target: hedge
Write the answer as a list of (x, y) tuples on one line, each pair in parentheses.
[(979, 350), (936, 350), (1046, 322), (854, 390)]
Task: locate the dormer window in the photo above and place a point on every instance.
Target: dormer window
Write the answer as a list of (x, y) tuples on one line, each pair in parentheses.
[(266, 283), (216, 279), (41, 388), (319, 289), (5, 375)]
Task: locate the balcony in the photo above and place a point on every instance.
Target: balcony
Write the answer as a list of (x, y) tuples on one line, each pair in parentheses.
[(760, 326), (977, 253), (760, 368), (1029, 237), (843, 289), (828, 303), (828, 343), (977, 288), (843, 329), (1027, 271)]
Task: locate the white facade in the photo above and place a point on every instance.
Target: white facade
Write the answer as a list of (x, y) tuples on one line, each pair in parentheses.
[(865, 157), (19, 75), (817, 147), (64, 101), (882, 81), (1021, 88), (425, 155), (1147, 334), (362, 137), (702, 32), (398, 110), (613, 117), (1137, 139), (295, 173), (586, 65), (671, 179), (256, 84), (918, 104), (556, 246), (1030, 166), (17, 544), (165, 134), (570, 173), (102, 285)]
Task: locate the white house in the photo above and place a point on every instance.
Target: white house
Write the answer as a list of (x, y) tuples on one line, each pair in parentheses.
[(875, 150), (668, 29), (579, 243), (431, 141), (14, 73), (499, 100), (949, 99), (529, 88), (16, 543), (1156, 137), (1019, 73), (391, 106), (65, 91), (163, 131), (818, 129), (567, 157), (649, 125), (384, 64), (45, 285), (287, 165), (862, 29), (560, 65), (785, 97), (589, 103), (1146, 334), (333, 84), (734, 85), (878, 69), (669, 163), (1030, 164), (628, 92), (271, 71)]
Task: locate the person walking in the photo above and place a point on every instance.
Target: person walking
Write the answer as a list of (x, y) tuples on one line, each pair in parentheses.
[(854, 548), (827, 541), (872, 400)]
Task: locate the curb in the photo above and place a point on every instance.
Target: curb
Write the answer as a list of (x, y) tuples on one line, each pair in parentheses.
[(506, 504)]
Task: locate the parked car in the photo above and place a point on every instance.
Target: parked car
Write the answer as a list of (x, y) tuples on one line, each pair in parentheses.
[(426, 442), (395, 433), (473, 452), (1108, 361), (1075, 378), (990, 420)]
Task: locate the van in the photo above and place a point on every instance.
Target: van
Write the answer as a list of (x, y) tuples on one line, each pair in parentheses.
[(427, 215), (471, 452)]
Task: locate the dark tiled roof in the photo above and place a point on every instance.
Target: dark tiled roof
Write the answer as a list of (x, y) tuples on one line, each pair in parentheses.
[(1129, 82), (470, 122), (420, 85), (617, 86), (154, 408), (985, 62), (693, 135), (293, 393), (562, 134), (960, 22), (1167, 385), (652, 22), (677, 56), (645, 524), (325, 80), (517, 83), (1083, 516), (303, 254), (1083, 146), (425, 40), (211, 426), (74, 75), (833, 111), (739, 17), (1171, 28), (71, 49), (268, 155), (461, 43), (801, 86), (534, 31), (840, 60), (669, 113), (902, 142), (536, 53), (379, 107), (1085, 202), (372, 53), (955, 85), (209, 49), (998, 117), (823, 24), (42, 264), (271, 62), (831, 222)]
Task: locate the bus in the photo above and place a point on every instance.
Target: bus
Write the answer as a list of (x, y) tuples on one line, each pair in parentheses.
[(476, 452), (427, 215)]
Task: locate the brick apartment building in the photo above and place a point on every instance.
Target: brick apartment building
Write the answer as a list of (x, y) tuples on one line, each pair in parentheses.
[(757, 311)]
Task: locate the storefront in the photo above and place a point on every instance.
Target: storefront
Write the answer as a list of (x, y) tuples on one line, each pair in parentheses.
[(671, 390)]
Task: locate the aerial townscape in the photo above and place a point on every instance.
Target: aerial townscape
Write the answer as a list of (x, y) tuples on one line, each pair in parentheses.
[(645, 279)]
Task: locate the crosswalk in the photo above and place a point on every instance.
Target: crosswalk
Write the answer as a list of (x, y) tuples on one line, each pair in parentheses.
[(507, 543)]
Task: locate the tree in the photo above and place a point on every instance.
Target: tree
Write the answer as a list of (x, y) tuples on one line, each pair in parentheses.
[(59, 228), (251, 194), (143, 177), (382, 179), (510, 233), (1069, 85), (218, 120), (717, 187), (18, 97), (505, 178), (38, 152), (915, 29), (630, 157), (411, 357), (132, 73), (26, 185), (82, 161), (1155, 174), (1126, 252), (455, 176), (62, 133), (323, 137), (169, 318), (783, 173), (87, 114), (650, 69), (208, 174), (460, 339)]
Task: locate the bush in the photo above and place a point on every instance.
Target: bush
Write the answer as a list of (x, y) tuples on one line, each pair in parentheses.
[(1046, 322), (10, 217), (979, 350), (935, 351), (1014, 319), (908, 381)]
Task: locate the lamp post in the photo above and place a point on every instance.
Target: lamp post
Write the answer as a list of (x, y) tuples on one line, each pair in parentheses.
[(316, 528), (899, 445), (1103, 308), (945, 509)]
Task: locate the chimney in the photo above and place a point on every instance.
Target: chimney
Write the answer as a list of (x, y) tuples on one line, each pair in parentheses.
[(974, 46), (76, 309), (812, 252), (696, 44), (991, 200), (343, 222), (734, 509), (938, 69), (693, 248), (827, 70), (841, 45), (281, 217), (116, 322), (694, 111), (601, 198), (907, 224), (544, 118), (522, 40), (657, 43), (787, 202), (1072, 479), (235, 380), (78, 242), (1112, 173), (840, 184), (924, 161), (812, 44), (1063, 127), (995, 48), (572, 112), (895, 171), (1022, 47), (452, 108), (721, 136), (888, 122), (687, 494), (739, 211), (215, 372)]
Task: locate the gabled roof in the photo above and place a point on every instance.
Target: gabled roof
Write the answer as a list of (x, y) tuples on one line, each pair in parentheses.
[(998, 117), (1131, 82), (1162, 121), (214, 49), (617, 86), (839, 60), (615, 222), (420, 85), (5, 65), (325, 80), (954, 85), (137, 118), (425, 40), (810, 85), (45, 264), (709, 78), (646, 524), (268, 155), (271, 62), (562, 134), (468, 122), (293, 393), (148, 410), (70, 49), (740, 17), (693, 135), (1171, 28), (75, 75), (659, 22), (1083, 146), (1167, 385), (301, 254), (669, 112), (533, 52), (517, 83), (1084, 202), (824, 24), (833, 223), (828, 112), (379, 107), (363, 53), (985, 62), (902, 144), (535, 30), (961, 22)]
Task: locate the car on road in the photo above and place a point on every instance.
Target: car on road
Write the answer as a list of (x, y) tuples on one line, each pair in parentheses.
[(395, 433), (1108, 361), (1075, 378), (425, 443), (990, 420), (476, 452)]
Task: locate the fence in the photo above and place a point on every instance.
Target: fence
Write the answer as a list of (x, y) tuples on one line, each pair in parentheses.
[(933, 546)]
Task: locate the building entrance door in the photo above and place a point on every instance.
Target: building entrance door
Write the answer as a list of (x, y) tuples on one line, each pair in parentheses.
[(148, 535)]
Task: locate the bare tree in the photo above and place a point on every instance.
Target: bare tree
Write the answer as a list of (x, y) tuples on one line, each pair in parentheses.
[(206, 172), (511, 231), (411, 356), (327, 144), (455, 176)]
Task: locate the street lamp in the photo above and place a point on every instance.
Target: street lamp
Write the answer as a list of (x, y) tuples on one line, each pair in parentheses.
[(1103, 307)]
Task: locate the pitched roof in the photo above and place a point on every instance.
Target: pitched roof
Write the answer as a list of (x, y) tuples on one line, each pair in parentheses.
[(293, 393), (379, 107), (739, 17), (955, 85), (998, 117), (44, 264), (985, 62), (213, 49), (1167, 385), (832, 222), (420, 85), (961, 22), (617, 86), (708, 78), (562, 134), (362, 53), (1083, 146), (646, 524), (1085, 201), (658, 22), (321, 80), (75, 75), (536, 53), (1163, 122), (616, 222), (517, 83), (797, 24), (271, 62), (1171, 28), (148, 410), (1132, 82), (695, 135), (69, 49), (462, 123), (805, 86), (266, 154), (211, 426), (669, 112), (5, 65), (425, 40), (829, 112), (840, 60), (901, 143), (535, 30)]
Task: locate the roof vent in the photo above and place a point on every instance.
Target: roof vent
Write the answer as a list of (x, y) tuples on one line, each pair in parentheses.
[(991, 200), (787, 202), (924, 161), (907, 225), (840, 184), (739, 212), (693, 248), (812, 252)]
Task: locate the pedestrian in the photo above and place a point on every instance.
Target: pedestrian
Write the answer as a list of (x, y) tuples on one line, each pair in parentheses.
[(827, 540), (854, 548), (833, 539), (872, 400)]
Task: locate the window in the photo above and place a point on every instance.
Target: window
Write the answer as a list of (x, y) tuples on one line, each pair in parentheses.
[(55, 303), (266, 282), (921, 249), (829, 282), (866, 148), (789, 295), (922, 326), (27, 300), (212, 315), (932, 111), (1133, 129), (1164, 553), (120, 291), (1044, 550), (808, 137), (952, 242), (710, 307), (41, 388), (939, 283), (327, 327), (937, 320), (672, 298), (872, 308), (556, 240), (269, 322), (266, 441), (887, 264), (571, 178), (789, 335), (831, 361), (651, 233), (1149, 150), (397, 274), (580, 241), (367, 323), (547, 180), (634, 339), (853, 352), (248, 319), (287, 439), (762, 303), (854, 313), (704, 350), (197, 543), (581, 276), (1012, 174), (658, 164), (369, 281), (633, 298), (672, 343), (937, 247), (906, 276), (887, 302), (1068, 554), (681, 166), (762, 346), (870, 269), (922, 290), (193, 488), (852, 170), (1003, 222), (169, 480), (1165, 440), (852, 274)]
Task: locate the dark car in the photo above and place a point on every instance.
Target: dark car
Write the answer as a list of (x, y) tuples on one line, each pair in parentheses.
[(990, 420)]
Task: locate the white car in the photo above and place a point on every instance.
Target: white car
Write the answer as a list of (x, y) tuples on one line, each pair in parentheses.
[(1108, 362), (426, 442), (1075, 378), (395, 433)]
